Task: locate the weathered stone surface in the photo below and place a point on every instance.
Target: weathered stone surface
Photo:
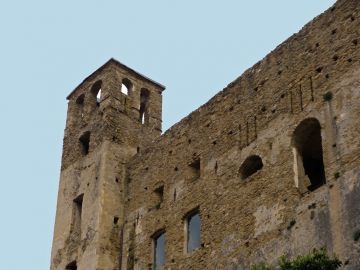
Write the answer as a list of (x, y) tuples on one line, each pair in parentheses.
[(315, 75)]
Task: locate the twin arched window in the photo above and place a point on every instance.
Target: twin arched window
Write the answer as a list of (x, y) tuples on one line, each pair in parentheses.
[(126, 89)]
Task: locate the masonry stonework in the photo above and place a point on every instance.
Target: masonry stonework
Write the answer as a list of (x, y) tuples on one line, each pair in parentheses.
[(249, 161)]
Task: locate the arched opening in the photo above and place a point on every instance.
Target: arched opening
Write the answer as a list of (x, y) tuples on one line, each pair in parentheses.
[(308, 155), (80, 104), (98, 97), (85, 143), (251, 165), (96, 91), (126, 86), (144, 106), (80, 100), (71, 266)]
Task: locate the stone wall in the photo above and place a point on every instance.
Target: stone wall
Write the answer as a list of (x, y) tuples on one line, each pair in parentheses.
[(313, 74), (122, 183)]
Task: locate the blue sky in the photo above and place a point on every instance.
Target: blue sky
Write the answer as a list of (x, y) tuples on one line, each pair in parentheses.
[(47, 48)]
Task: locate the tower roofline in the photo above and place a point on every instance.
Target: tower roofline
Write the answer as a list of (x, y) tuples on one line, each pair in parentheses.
[(118, 63)]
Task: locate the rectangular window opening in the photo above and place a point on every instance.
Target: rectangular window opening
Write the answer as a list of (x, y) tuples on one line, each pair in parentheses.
[(194, 169), (159, 192), (193, 231), (85, 143), (77, 212), (144, 106), (159, 250)]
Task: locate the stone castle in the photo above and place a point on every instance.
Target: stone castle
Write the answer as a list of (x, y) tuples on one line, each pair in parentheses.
[(269, 166)]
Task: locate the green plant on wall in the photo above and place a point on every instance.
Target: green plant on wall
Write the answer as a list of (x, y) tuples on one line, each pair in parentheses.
[(317, 260)]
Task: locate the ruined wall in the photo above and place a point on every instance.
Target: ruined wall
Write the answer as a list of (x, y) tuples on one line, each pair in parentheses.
[(266, 215)]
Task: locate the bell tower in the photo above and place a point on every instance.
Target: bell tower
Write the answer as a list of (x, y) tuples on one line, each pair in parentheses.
[(111, 115)]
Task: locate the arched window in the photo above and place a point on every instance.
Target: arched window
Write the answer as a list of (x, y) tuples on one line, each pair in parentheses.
[(251, 165), (80, 104), (80, 99), (308, 155), (126, 86), (144, 106), (96, 91), (71, 266), (98, 97)]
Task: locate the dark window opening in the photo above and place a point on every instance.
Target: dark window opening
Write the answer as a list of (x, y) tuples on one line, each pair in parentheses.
[(85, 143), (308, 146), (116, 220), (144, 106), (96, 91), (193, 231), (76, 217), (159, 192), (71, 266), (78, 205), (159, 250), (194, 168), (126, 86), (251, 165), (80, 100)]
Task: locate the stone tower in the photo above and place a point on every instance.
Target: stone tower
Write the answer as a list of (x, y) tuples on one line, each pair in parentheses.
[(111, 115)]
